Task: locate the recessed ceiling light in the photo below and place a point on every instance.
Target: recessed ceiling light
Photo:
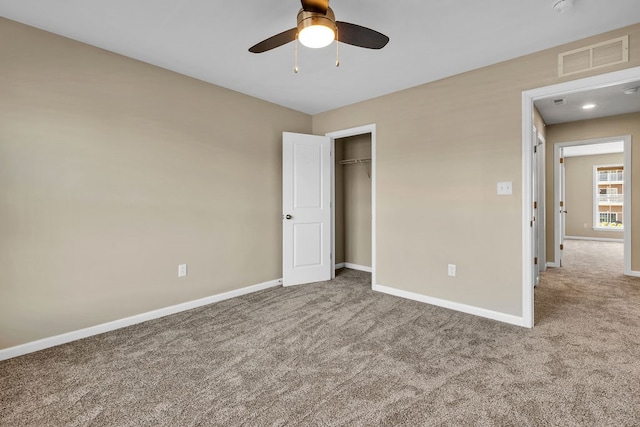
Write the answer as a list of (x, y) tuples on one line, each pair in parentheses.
[(631, 90), (588, 106)]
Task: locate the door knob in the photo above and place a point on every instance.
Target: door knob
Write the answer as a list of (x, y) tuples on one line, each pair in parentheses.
[(287, 216)]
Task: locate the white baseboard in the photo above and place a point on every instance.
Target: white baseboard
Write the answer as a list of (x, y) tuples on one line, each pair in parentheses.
[(597, 239), (358, 267), (33, 346), (476, 311), (551, 264), (354, 267)]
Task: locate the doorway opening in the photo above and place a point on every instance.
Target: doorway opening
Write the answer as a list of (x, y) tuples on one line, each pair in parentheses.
[(627, 76), (592, 180), (352, 205), (353, 199)]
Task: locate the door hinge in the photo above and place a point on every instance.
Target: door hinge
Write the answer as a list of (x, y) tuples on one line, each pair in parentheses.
[(561, 204), (535, 205), (562, 247), (535, 148), (535, 260), (561, 159), (530, 223)]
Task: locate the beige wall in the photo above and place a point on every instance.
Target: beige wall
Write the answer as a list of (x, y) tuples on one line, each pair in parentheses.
[(539, 123), (113, 172), (579, 195), (627, 124), (441, 149)]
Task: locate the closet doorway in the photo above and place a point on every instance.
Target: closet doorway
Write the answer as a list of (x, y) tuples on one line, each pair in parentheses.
[(354, 199)]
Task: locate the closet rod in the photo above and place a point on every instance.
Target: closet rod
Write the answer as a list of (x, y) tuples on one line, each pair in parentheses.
[(354, 161)]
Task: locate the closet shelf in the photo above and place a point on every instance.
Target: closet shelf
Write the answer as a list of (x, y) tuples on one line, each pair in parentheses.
[(354, 161)]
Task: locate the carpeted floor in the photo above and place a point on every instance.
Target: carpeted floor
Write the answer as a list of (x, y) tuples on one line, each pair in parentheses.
[(340, 354)]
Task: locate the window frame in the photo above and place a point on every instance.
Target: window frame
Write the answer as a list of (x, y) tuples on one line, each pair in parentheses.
[(596, 196)]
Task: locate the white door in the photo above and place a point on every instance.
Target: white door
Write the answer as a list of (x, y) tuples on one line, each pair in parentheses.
[(562, 207), (534, 211), (541, 217), (306, 210)]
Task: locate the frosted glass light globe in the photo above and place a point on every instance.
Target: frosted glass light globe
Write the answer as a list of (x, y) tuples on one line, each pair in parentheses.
[(316, 36)]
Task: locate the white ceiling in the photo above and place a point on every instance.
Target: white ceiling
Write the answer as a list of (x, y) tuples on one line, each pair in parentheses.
[(609, 101), (208, 40)]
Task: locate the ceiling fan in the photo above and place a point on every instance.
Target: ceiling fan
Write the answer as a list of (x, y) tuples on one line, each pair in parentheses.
[(317, 27)]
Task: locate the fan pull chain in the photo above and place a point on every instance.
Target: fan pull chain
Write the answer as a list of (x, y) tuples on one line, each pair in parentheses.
[(295, 55), (337, 49)]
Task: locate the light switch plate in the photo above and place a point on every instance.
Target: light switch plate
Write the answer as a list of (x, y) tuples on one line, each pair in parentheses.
[(505, 188)]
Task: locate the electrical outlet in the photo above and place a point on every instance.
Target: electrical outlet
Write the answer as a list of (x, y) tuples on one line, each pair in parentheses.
[(586, 225), (452, 270), (505, 188), (182, 270)]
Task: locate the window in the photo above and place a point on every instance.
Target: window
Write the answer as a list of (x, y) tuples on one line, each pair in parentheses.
[(608, 217), (608, 197)]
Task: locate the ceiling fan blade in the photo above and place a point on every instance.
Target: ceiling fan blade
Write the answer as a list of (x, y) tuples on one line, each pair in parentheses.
[(274, 41), (360, 36), (318, 6)]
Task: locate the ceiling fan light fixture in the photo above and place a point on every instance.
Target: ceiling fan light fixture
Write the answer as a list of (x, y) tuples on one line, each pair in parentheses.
[(316, 30), (316, 36)]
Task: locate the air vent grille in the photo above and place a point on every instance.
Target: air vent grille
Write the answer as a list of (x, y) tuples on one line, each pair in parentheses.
[(597, 55)]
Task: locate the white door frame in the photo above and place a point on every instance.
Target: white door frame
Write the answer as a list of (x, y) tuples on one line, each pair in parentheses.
[(360, 130), (626, 209), (528, 97)]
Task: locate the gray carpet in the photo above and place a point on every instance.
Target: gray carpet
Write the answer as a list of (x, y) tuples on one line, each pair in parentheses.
[(340, 354)]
